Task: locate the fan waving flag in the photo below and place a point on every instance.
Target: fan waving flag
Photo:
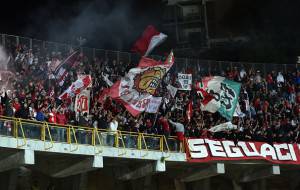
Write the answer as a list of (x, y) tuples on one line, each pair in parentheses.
[(61, 71), (137, 88), (76, 87), (225, 95), (189, 110), (150, 39)]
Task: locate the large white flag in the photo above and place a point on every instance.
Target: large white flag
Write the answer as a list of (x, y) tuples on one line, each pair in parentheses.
[(136, 89)]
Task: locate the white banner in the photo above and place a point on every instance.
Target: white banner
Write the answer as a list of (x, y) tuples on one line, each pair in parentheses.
[(185, 81), (82, 102), (153, 105)]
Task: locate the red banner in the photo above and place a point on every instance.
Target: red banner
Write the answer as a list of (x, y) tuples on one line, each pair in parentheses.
[(207, 150), (82, 102)]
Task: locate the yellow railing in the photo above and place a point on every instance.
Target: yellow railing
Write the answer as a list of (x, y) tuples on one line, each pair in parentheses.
[(50, 133)]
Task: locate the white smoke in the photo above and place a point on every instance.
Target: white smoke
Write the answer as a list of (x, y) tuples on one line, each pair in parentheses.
[(4, 58), (5, 75)]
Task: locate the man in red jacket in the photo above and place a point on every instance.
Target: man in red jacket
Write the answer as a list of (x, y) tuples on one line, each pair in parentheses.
[(61, 119)]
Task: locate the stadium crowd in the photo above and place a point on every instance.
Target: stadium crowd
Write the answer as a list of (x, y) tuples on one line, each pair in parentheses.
[(270, 103)]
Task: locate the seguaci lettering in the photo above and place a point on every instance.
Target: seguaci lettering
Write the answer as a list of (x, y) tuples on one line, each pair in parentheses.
[(203, 148)]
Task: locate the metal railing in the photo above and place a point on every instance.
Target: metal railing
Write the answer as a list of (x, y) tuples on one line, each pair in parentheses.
[(50, 133), (202, 67)]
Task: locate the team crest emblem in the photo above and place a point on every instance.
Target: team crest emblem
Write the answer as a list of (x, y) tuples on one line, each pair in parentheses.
[(149, 80)]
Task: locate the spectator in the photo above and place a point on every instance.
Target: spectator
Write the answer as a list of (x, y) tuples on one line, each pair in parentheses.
[(179, 129), (61, 120), (269, 100), (112, 128), (84, 133), (40, 114)]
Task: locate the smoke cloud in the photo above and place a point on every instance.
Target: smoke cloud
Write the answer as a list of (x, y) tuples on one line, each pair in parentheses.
[(103, 24), (4, 58)]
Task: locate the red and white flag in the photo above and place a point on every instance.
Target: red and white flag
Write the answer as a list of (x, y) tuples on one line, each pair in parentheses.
[(136, 89), (225, 95), (206, 97), (62, 70), (82, 102), (150, 39), (76, 87), (103, 94)]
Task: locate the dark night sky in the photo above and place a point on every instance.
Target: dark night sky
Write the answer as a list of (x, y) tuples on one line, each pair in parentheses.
[(108, 24), (273, 25)]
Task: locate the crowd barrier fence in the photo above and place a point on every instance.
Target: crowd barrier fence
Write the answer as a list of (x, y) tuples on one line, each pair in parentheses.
[(204, 67), (49, 133)]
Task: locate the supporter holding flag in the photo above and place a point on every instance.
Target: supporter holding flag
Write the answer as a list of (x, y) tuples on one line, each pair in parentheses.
[(165, 126), (150, 39), (189, 111), (61, 120), (179, 129), (113, 127)]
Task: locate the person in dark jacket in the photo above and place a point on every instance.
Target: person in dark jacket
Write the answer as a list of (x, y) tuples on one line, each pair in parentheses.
[(40, 115), (83, 133), (28, 129)]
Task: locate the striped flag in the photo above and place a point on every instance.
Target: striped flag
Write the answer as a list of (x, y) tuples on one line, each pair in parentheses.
[(61, 71), (76, 87)]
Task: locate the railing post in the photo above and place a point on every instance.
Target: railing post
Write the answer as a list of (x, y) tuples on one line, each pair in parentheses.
[(30, 43), (17, 40), (161, 143), (220, 66), (94, 53), (117, 139), (3, 40), (43, 132), (139, 141), (129, 57), (15, 132), (93, 137), (56, 47), (265, 72), (69, 135), (105, 54), (186, 63), (285, 68), (118, 57)]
